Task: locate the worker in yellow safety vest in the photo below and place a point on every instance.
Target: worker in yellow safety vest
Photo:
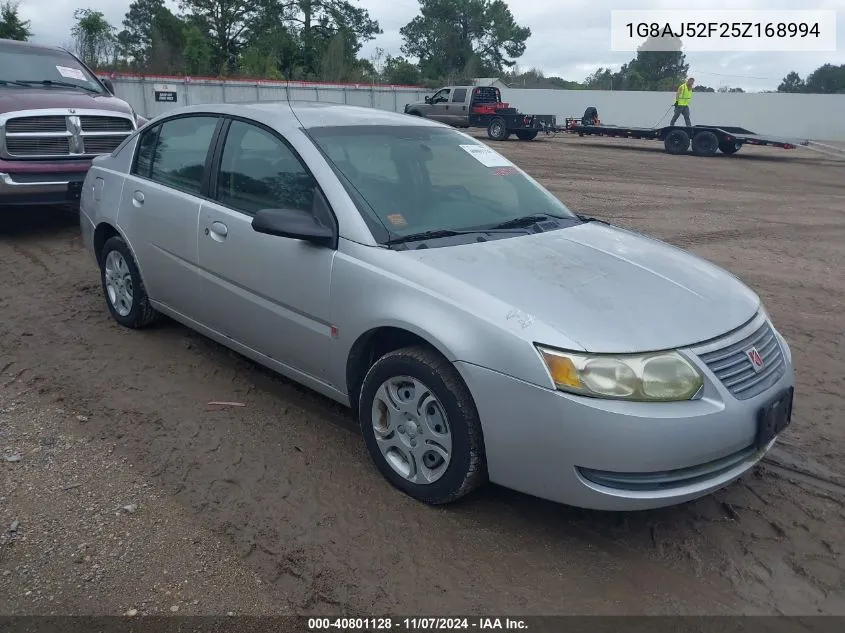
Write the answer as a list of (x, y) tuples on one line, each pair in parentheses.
[(682, 99)]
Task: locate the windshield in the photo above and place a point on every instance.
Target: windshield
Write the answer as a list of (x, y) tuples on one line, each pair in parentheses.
[(408, 180), (32, 66)]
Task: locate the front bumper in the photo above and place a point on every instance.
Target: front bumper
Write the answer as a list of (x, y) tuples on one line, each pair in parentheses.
[(41, 183), (613, 455)]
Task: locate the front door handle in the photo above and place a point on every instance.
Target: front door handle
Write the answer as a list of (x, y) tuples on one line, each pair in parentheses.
[(218, 231)]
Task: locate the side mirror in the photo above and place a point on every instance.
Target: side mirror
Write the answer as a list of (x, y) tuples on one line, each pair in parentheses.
[(292, 223), (428, 100), (108, 84)]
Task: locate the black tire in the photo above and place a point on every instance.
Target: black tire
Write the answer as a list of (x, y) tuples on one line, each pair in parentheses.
[(141, 314), (676, 142), (467, 469), (728, 147), (526, 135), (415, 113), (705, 143), (497, 130)]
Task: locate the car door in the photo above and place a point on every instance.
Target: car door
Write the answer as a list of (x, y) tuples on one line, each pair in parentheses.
[(456, 111), (266, 292), (160, 208), (440, 105)]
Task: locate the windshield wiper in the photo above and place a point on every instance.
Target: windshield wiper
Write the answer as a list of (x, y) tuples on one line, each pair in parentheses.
[(586, 218), (428, 235), (50, 82), (6, 82), (524, 221)]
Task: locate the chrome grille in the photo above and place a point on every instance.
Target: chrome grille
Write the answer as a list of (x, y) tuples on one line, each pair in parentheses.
[(38, 146), (102, 144), (105, 124), (46, 134), (734, 369), (37, 124)]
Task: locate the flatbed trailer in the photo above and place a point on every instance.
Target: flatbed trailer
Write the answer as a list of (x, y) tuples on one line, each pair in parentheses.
[(705, 140)]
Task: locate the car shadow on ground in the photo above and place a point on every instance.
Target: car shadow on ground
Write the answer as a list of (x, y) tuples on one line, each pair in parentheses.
[(33, 222)]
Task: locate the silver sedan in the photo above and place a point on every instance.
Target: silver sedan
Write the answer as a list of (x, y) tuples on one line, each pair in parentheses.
[(480, 329)]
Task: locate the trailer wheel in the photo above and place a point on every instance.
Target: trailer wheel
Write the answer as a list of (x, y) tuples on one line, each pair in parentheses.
[(498, 130), (705, 143), (526, 135), (727, 147), (676, 142)]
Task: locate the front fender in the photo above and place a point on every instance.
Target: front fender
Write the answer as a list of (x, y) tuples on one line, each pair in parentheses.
[(462, 323)]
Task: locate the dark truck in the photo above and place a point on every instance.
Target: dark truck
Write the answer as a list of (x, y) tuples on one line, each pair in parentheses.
[(481, 106), (55, 117)]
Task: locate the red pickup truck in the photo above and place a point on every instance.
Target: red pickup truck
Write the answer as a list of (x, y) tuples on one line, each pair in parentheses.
[(55, 117)]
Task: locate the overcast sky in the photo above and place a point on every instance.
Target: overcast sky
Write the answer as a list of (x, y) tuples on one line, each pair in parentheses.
[(569, 38)]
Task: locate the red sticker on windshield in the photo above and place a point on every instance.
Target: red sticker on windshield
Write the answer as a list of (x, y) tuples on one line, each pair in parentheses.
[(504, 171), (397, 220)]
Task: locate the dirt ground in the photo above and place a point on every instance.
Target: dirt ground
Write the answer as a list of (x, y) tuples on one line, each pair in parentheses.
[(124, 491)]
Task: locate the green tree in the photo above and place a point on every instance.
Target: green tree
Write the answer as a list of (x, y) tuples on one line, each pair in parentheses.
[(271, 47), (335, 63), (703, 88), (197, 52), (399, 71), (448, 34), (317, 22), (153, 38), (826, 79), (792, 83), (224, 22), (94, 38), (660, 64), (11, 25)]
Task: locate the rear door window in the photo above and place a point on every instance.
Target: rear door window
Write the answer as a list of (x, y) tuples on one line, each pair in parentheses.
[(174, 153)]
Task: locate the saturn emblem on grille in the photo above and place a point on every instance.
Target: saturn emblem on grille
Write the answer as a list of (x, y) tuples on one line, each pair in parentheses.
[(71, 110), (757, 362)]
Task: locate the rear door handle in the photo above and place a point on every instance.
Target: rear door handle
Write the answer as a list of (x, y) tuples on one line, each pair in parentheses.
[(218, 231)]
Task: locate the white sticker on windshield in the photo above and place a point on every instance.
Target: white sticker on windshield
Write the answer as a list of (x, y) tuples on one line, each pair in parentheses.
[(486, 156), (71, 73)]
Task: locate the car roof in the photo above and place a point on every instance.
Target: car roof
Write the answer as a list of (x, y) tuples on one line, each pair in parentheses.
[(309, 114), (18, 44)]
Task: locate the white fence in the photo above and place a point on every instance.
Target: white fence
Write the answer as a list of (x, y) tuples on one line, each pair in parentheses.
[(142, 93), (793, 116)]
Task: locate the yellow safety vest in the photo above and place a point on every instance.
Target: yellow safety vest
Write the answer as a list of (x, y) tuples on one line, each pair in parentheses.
[(685, 95)]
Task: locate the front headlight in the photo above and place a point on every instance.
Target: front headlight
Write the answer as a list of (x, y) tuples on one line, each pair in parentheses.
[(656, 377)]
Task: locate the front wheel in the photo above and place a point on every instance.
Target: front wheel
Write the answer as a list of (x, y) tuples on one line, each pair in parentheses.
[(526, 135), (421, 426), (125, 294), (676, 142)]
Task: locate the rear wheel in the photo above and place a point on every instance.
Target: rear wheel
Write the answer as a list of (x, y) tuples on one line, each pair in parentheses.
[(498, 130), (676, 142), (421, 426), (705, 143), (125, 294), (729, 147), (526, 135)]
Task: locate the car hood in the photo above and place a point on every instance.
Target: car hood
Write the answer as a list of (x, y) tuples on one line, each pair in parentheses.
[(604, 288), (14, 99)]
